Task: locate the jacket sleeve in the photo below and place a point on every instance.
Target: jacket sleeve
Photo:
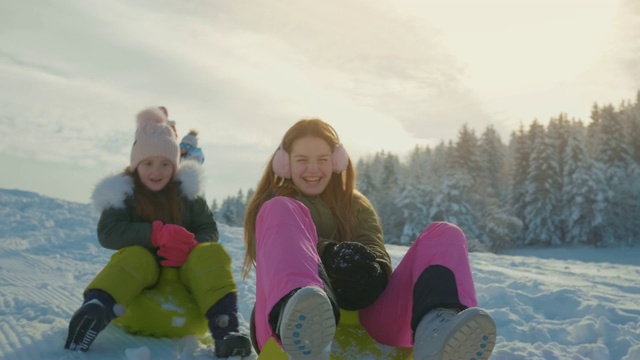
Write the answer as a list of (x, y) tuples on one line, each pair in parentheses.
[(116, 230), (369, 232), (202, 223), (323, 243)]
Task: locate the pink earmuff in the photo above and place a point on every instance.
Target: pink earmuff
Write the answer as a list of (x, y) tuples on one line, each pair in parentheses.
[(280, 164), (340, 159), (281, 167)]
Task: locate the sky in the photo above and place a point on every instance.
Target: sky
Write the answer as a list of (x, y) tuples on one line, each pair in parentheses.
[(576, 303), (388, 75)]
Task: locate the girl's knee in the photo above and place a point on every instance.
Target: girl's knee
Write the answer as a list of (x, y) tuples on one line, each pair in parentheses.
[(209, 253), (130, 270), (284, 221), (282, 206), (442, 231), (136, 254), (138, 260)]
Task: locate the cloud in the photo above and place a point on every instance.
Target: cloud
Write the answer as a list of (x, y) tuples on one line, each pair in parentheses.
[(373, 57), (387, 75)]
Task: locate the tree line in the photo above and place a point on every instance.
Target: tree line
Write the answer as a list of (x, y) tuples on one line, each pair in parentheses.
[(566, 183)]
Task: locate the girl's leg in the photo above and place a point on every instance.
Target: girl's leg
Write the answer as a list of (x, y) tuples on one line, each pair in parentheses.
[(438, 264), (286, 258), (129, 271), (207, 276)]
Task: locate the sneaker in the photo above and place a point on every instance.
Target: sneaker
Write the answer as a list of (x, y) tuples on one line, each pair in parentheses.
[(234, 344), (307, 324), (444, 334), (91, 318)]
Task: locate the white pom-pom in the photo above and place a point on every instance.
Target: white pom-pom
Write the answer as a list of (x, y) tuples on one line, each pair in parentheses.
[(152, 114)]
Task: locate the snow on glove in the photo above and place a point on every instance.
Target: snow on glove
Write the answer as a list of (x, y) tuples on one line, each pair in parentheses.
[(350, 261), (173, 241)]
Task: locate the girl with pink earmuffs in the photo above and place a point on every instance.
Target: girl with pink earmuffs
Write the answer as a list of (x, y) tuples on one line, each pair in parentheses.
[(317, 247)]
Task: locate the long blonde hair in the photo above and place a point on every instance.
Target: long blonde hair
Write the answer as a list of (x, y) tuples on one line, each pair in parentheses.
[(338, 195)]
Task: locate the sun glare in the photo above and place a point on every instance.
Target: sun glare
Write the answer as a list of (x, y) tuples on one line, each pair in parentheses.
[(512, 46)]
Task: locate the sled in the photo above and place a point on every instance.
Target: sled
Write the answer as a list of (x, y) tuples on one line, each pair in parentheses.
[(351, 341), (166, 310)]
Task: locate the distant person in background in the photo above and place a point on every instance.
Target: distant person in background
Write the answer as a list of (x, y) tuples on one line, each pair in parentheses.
[(189, 149), (154, 216), (171, 123)]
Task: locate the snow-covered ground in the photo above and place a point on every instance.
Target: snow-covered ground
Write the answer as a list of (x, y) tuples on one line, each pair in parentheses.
[(569, 303)]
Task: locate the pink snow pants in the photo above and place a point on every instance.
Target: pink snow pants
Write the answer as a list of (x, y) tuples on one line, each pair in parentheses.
[(287, 258)]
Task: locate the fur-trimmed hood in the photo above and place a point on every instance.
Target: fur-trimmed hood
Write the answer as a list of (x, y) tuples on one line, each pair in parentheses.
[(113, 190)]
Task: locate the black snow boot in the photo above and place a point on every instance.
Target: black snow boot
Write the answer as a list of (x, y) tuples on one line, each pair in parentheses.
[(223, 324), (93, 316)]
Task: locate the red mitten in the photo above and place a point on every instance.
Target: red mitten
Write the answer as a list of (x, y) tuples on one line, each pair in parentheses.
[(174, 243), (174, 256)]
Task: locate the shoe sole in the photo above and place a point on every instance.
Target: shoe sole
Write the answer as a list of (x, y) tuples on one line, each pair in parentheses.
[(85, 326), (472, 337), (308, 325)]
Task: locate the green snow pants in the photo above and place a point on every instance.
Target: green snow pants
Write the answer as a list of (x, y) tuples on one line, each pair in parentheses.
[(206, 274)]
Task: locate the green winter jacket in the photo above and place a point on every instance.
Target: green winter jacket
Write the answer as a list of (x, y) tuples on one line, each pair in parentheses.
[(368, 233), (119, 227)]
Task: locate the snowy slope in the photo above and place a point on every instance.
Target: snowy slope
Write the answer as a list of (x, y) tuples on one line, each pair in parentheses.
[(546, 305)]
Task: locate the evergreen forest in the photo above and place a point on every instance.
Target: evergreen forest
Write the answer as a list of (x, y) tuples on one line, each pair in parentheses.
[(563, 183)]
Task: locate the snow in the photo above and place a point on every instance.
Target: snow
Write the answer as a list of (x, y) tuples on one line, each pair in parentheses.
[(560, 303)]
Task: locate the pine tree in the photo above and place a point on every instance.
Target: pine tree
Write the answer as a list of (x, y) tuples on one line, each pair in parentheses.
[(502, 230), (492, 161), (365, 181), (542, 199), (632, 118), (520, 154), (557, 134), (614, 159), (389, 210), (416, 195), (232, 210), (580, 207), (383, 187), (449, 203), (466, 153)]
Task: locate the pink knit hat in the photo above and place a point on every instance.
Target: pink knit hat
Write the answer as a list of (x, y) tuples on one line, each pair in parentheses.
[(154, 137)]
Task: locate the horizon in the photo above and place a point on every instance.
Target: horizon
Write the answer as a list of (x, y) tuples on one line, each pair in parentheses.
[(388, 77)]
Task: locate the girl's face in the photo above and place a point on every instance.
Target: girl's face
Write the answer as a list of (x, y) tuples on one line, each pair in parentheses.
[(311, 165), (185, 148), (155, 172)]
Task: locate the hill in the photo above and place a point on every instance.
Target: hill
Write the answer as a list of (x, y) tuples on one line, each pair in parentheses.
[(575, 303)]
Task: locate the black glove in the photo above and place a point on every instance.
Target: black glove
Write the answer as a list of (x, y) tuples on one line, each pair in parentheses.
[(357, 294), (350, 261)]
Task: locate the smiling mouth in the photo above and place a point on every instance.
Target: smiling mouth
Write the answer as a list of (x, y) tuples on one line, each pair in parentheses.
[(312, 179)]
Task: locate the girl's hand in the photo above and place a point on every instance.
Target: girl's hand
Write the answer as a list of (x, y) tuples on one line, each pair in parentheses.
[(174, 243), (350, 261)]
